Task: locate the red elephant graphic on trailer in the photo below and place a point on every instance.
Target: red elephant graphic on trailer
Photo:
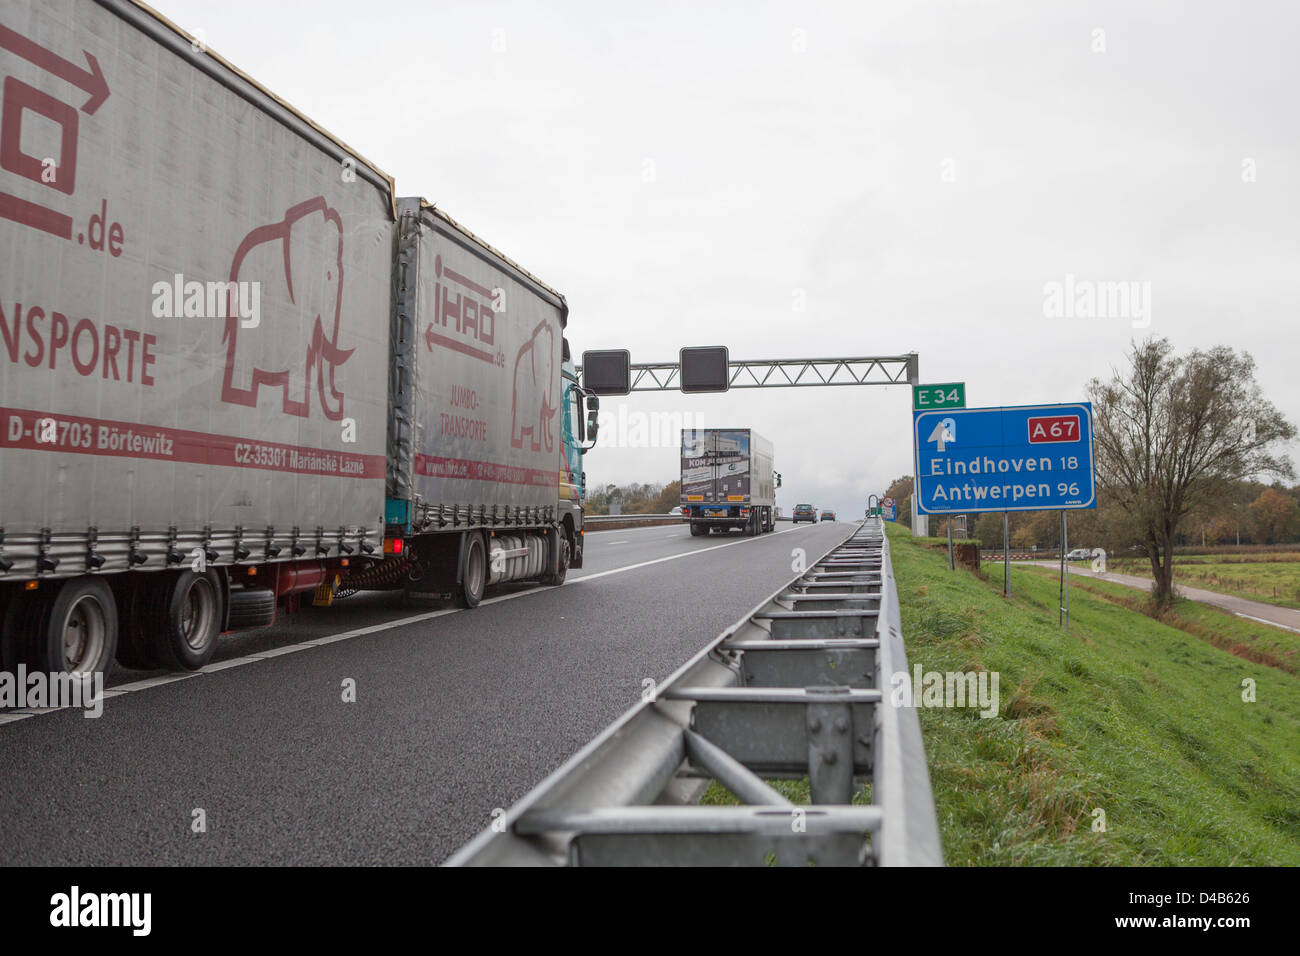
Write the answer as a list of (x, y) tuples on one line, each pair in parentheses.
[(299, 263), (530, 407)]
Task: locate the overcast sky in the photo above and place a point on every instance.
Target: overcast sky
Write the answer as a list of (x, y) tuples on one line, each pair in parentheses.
[(915, 174)]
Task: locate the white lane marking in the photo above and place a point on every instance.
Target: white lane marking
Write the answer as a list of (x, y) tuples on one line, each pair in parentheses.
[(619, 541), (222, 665), (674, 557), (154, 681), (122, 689), (278, 651), (1285, 627)]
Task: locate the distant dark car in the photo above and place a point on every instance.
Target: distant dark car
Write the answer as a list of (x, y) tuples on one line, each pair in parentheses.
[(828, 515), (804, 513)]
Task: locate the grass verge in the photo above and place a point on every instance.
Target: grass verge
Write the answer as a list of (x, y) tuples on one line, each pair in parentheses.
[(1272, 579), (1127, 742), (1251, 640), (1128, 716)]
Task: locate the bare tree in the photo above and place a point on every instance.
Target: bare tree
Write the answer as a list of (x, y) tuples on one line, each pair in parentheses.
[(1173, 432)]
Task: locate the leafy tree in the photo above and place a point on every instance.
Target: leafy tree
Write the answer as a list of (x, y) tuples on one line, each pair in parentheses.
[(987, 527), (1173, 432), (1276, 516), (1221, 530), (900, 489), (668, 499), (635, 499)]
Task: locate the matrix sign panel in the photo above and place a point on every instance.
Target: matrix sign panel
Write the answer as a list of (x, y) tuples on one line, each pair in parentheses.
[(704, 369), (1025, 458), (607, 372)]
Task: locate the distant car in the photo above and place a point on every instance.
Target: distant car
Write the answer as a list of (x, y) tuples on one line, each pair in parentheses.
[(676, 511), (828, 515), (804, 513), (1079, 554)]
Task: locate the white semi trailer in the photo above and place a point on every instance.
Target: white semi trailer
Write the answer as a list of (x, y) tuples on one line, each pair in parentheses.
[(727, 480), (236, 369)]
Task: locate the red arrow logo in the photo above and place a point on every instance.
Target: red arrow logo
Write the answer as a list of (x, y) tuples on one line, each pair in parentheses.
[(92, 80), (429, 337)]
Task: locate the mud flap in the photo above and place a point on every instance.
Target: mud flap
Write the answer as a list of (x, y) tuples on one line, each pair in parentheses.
[(324, 596), (575, 559), (553, 550), (440, 558)]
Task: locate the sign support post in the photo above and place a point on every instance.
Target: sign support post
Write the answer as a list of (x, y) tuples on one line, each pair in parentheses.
[(1063, 614), (951, 566), (1006, 556)]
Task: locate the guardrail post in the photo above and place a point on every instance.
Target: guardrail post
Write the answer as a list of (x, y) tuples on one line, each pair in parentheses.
[(830, 745)]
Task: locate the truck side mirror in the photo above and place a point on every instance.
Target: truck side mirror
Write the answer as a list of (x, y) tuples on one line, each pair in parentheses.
[(778, 478), (593, 407)]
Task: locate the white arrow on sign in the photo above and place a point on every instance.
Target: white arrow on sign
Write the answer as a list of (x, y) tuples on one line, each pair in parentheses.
[(942, 433)]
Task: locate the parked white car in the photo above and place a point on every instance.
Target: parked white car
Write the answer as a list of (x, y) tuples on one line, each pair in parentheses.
[(1079, 554)]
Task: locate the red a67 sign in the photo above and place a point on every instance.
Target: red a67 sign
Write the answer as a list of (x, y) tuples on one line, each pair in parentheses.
[(1053, 428)]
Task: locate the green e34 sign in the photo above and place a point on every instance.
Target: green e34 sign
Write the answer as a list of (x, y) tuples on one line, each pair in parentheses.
[(927, 397)]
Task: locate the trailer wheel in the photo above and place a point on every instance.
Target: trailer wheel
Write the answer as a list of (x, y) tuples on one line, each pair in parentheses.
[(752, 528), (251, 607), (78, 634), (473, 571), (556, 579), (696, 530), (187, 620)]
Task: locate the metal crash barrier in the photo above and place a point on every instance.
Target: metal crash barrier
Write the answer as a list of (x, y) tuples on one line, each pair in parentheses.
[(798, 688)]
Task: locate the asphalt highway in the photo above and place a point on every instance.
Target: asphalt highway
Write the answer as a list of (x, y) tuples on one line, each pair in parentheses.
[(456, 713)]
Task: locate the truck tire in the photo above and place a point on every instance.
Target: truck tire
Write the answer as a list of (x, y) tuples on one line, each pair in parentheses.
[(556, 579), (473, 571), (696, 530), (20, 621), (135, 646), (77, 634), (751, 529), (251, 607), (187, 619)]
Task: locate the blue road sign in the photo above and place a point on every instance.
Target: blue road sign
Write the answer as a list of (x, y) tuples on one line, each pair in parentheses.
[(891, 512), (1022, 458)]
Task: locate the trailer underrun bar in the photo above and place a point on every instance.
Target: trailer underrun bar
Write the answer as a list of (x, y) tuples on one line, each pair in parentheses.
[(797, 688)]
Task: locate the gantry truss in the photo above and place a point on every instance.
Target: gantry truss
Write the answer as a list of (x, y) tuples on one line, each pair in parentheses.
[(788, 373)]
